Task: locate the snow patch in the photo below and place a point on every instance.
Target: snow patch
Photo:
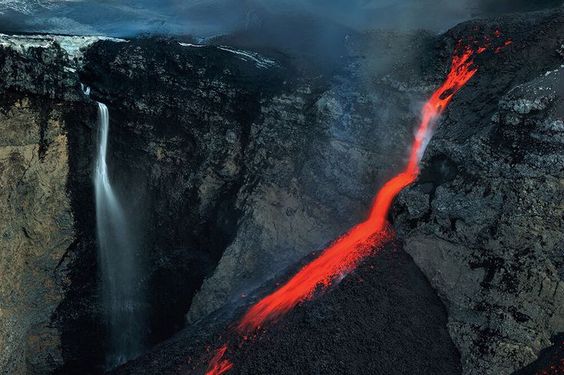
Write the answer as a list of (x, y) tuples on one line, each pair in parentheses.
[(74, 46), (260, 61), (192, 45)]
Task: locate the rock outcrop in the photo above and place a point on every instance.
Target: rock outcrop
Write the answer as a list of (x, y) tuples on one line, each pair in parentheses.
[(37, 222), (484, 222)]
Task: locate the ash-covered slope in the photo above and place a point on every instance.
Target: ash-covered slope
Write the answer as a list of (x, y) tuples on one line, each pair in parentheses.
[(382, 319)]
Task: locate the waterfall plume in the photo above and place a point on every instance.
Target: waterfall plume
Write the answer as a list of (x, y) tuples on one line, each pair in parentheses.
[(119, 267)]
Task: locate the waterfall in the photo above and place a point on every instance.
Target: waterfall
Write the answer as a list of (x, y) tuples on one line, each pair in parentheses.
[(118, 262)]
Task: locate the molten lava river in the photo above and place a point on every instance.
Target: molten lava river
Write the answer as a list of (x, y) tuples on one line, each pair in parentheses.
[(344, 254)]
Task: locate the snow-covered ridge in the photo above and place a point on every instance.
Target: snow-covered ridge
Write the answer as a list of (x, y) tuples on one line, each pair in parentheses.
[(73, 45), (259, 60), (192, 45)]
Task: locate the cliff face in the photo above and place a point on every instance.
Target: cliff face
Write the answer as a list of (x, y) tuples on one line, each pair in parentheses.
[(181, 119), (37, 229), (484, 222), (37, 223), (245, 163)]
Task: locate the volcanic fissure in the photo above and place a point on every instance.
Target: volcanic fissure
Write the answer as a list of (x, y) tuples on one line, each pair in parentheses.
[(345, 253)]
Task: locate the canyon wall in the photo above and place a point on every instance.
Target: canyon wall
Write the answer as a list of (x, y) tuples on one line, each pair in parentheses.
[(484, 222), (37, 223), (37, 229)]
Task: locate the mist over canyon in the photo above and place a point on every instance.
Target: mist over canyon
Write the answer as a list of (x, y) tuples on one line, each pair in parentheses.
[(206, 18), (281, 187)]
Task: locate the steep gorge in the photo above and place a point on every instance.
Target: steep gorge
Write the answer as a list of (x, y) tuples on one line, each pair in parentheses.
[(237, 164)]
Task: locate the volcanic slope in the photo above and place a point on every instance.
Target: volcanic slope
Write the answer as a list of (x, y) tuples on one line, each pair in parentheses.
[(360, 325)]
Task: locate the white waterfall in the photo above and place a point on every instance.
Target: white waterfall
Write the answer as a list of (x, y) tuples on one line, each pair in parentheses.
[(118, 262)]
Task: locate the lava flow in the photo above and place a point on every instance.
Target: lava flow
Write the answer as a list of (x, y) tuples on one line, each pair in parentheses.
[(346, 252)]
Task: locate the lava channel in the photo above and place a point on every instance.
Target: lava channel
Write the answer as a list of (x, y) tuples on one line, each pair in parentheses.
[(344, 254)]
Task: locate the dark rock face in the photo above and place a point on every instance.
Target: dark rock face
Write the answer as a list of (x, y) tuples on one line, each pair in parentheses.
[(180, 130), (38, 96), (484, 223), (38, 71)]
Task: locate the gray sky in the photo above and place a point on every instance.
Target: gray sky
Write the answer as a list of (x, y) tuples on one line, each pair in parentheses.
[(212, 17)]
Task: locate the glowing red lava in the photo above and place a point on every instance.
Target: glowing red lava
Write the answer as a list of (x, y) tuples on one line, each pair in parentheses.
[(218, 365), (346, 252)]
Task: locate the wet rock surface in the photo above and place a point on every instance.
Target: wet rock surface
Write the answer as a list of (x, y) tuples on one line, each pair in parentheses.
[(37, 224)]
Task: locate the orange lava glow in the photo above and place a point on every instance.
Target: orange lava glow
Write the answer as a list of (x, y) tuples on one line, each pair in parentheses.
[(349, 250), (218, 364), (345, 253)]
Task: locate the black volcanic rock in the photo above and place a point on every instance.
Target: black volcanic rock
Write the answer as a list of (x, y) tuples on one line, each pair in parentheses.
[(484, 223), (382, 319)]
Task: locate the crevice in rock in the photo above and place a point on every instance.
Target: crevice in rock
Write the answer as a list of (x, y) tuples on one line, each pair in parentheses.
[(44, 114), (78, 317)]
